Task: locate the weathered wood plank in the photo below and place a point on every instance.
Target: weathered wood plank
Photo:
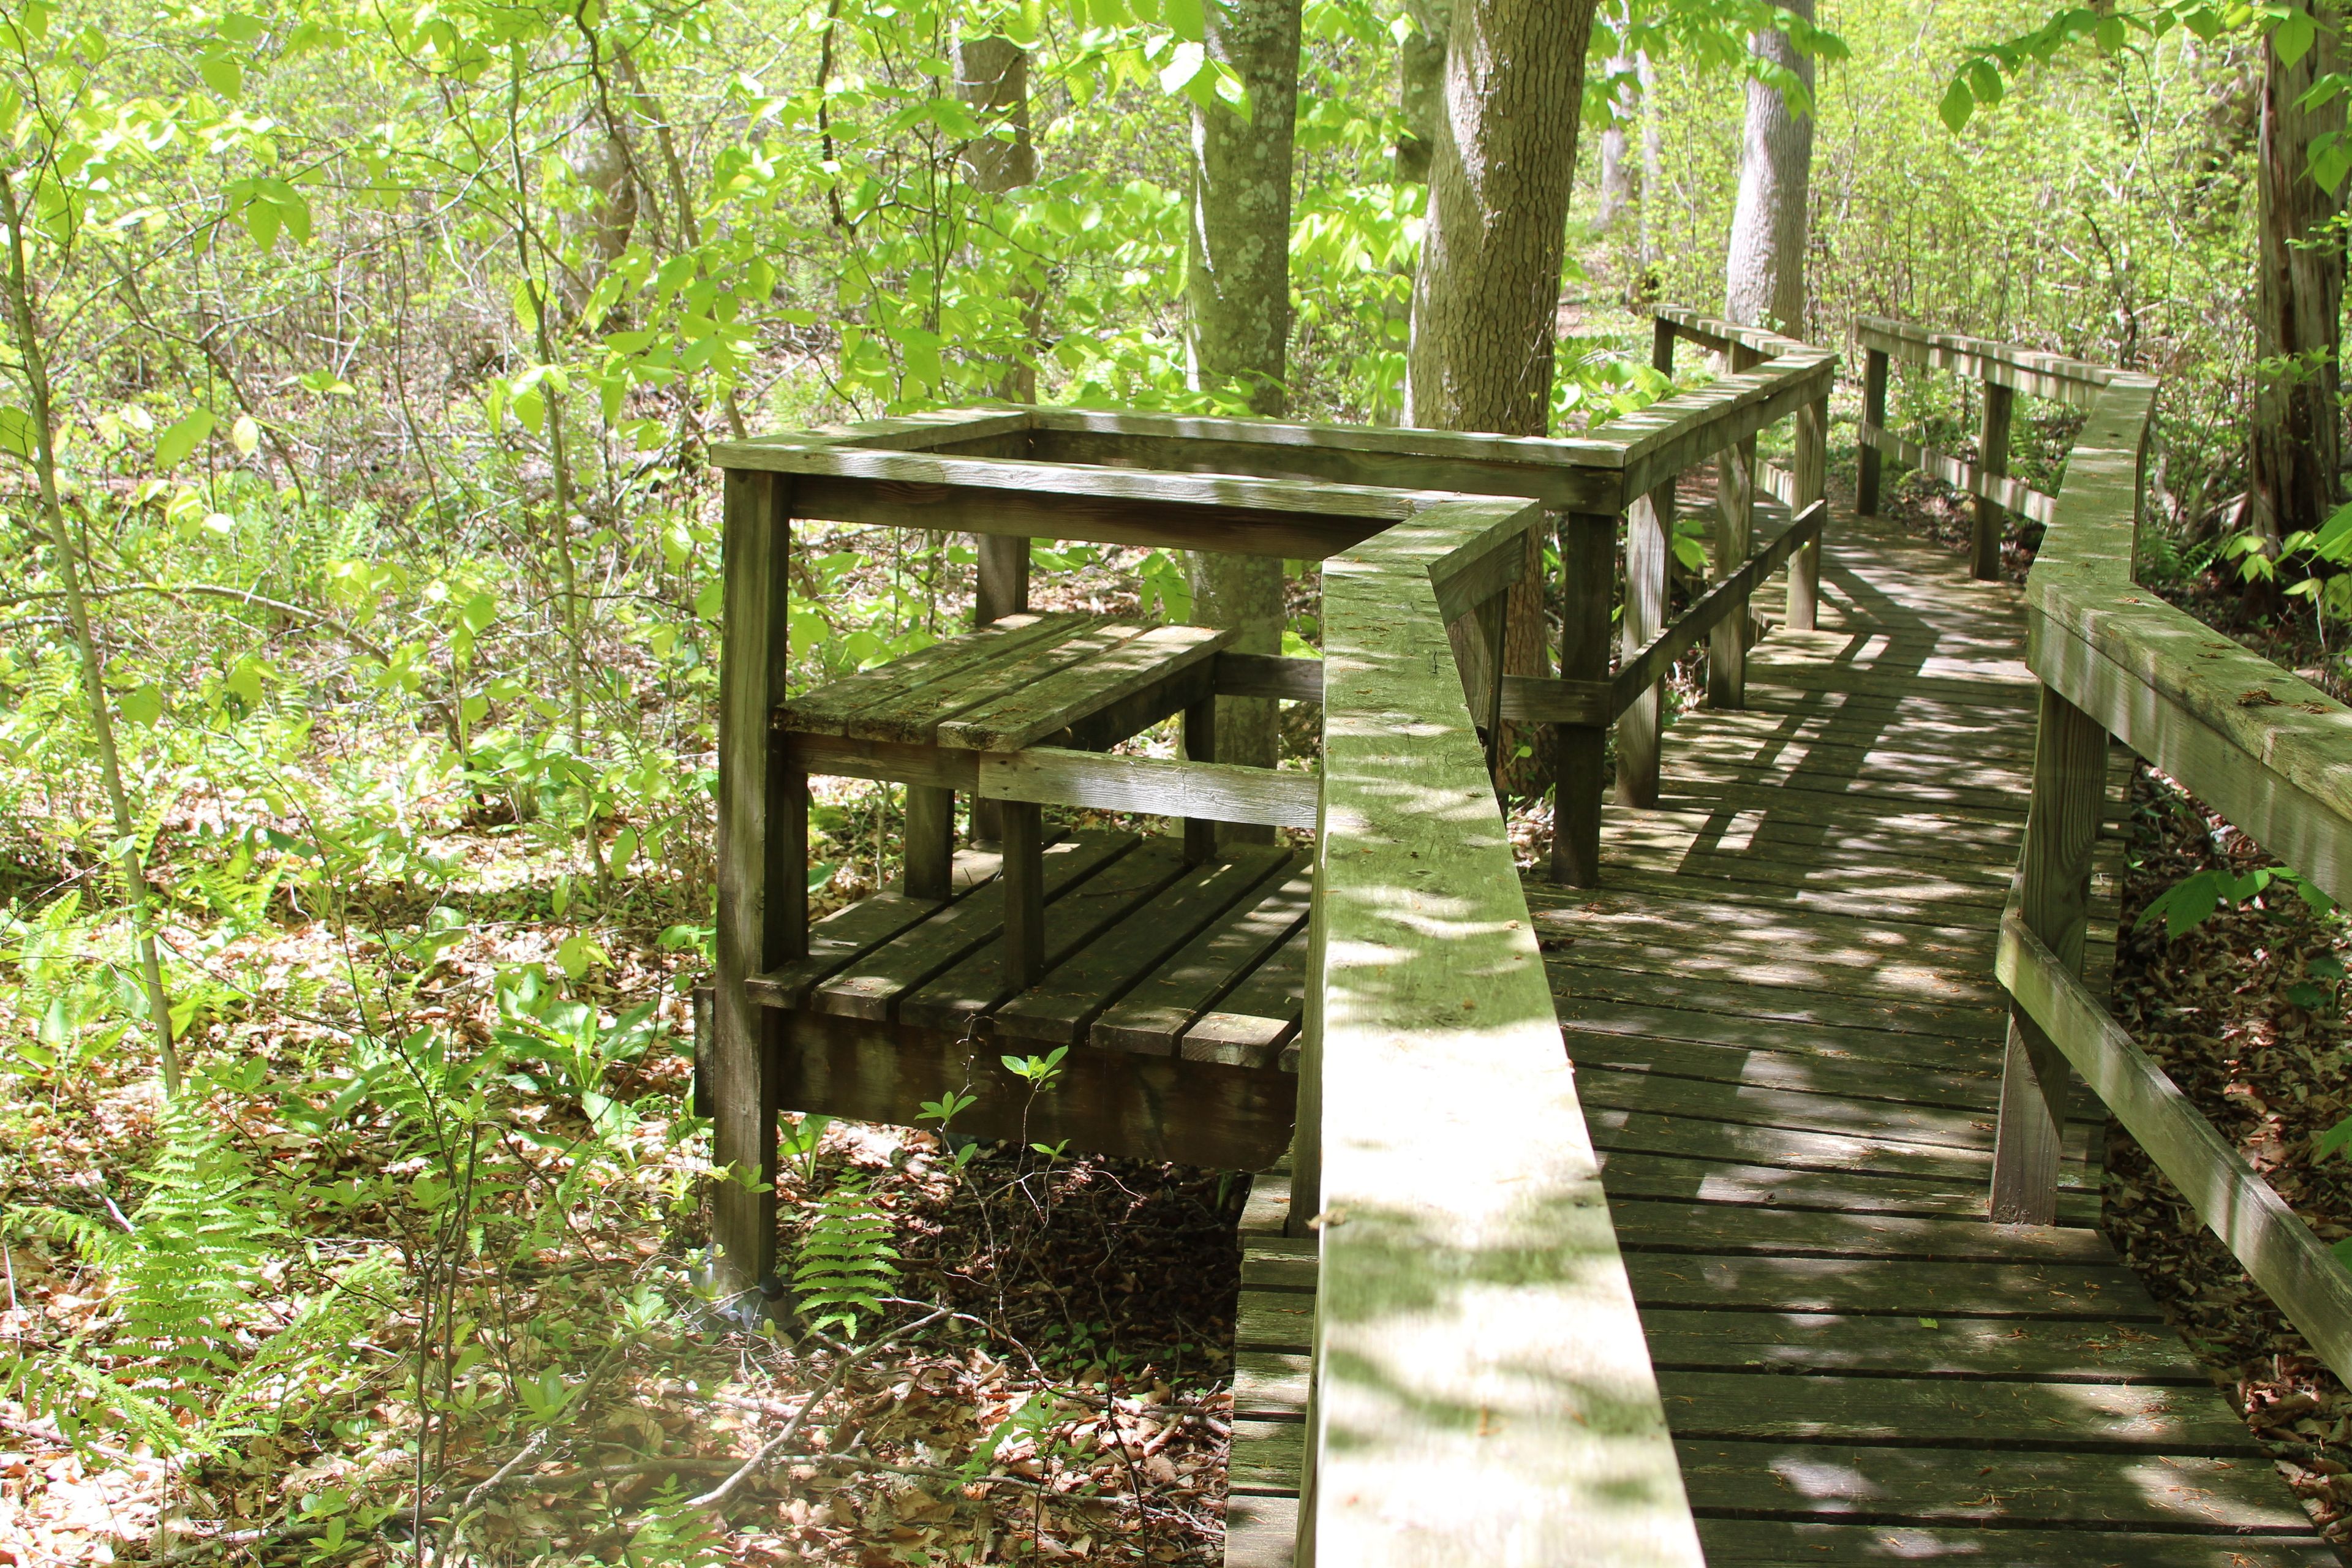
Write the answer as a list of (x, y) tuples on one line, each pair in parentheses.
[(1150, 1018), (851, 932), (915, 714), (1212, 791), (981, 981), (763, 855), (2086, 1418), (2005, 1349), (1499, 1288), (1636, 1131), (1990, 489), (1708, 1177), (1058, 1011), (2028, 371), (1713, 1230), (2072, 1289), (1765, 1544), (869, 985), (1956, 1486), (1144, 1108), (1033, 711), (1252, 1024), (827, 710), (1291, 680)]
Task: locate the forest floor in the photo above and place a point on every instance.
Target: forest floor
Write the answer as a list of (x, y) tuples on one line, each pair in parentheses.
[(540, 1373)]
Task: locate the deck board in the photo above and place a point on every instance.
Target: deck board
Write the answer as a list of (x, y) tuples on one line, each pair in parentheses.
[(1788, 1046)]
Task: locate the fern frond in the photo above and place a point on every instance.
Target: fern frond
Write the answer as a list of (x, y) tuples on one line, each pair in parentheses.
[(846, 1264)]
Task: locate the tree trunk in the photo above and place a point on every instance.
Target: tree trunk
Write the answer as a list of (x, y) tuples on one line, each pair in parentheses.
[(1237, 284), (992, 80), (1616, 181), (1764, 277), (1421, 86), (1653, 160), (2298, 302), (1486, 303)]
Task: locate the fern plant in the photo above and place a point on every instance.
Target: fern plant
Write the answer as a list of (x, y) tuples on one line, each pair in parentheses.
[(846, 1264), (201, 1347)]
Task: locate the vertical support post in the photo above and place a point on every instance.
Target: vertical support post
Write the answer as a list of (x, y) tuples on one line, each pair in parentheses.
[(1811, 463), (1662, 346), (1649, 556), (1201, 746), (1588, 572), (1024, 894), (1992, 457), (1735, 535), (1003, 590), (2061, 829), (930, 842), (762, 869), (1867, 457)]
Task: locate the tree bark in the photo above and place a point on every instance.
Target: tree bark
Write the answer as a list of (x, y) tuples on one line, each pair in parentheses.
[(1237, 284), (1486, 302), (2297, 439), (1421, 86), (992, 80), (1616, 179), (1653, 160), (1764, 277)]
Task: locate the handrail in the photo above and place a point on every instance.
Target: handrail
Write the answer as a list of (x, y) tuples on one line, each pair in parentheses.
[(2005, 370), (1267, 488), (2268, 750), (1476, 1332)]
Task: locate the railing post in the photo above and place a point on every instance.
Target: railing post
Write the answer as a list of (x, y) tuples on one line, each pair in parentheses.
[(1003, 590), (1867, 455), (1992, 457), (1662, 346), (762, 869), (1649, 557), (1735, 535), (1588, 562), (1811, 461), (2061, 829)]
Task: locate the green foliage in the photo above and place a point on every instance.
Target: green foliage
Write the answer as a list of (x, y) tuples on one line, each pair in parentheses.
[(845, 1263), (2195, 899), (202, 1339)]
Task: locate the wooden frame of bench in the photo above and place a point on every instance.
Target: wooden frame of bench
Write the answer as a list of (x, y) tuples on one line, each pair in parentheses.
[(1425, 987), (2268, 750)]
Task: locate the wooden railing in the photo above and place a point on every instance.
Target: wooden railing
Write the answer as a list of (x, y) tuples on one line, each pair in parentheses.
[(1481, 1390), (2004, 371), (2266, 749)]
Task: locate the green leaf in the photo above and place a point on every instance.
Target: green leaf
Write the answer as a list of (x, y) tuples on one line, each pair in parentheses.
[(2332, 1141), (2307, 996), (1957, 105), (2294, 34), (245, 682), (17, 432), (245, 435), (171, 448), (141, 706), (222, 74)]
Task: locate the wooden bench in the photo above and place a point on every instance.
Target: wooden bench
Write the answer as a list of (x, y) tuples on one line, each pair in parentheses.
[(1032, 939)]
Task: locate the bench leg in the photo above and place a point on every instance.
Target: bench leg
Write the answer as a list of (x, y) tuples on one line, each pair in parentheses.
[(930, 842), (1024, 893), (1201, 746)]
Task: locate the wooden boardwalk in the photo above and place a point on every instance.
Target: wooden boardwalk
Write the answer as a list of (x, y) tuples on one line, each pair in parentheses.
[(1787, 1041)]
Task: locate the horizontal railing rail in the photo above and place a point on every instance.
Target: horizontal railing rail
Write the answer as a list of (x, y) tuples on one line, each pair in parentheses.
[(2004, 369), (2270, 752)]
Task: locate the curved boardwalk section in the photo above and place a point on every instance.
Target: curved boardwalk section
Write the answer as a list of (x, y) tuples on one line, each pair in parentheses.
[(1787, 1041)]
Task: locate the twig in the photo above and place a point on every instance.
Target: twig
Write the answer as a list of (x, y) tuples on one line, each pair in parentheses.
[(717, 1496)]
